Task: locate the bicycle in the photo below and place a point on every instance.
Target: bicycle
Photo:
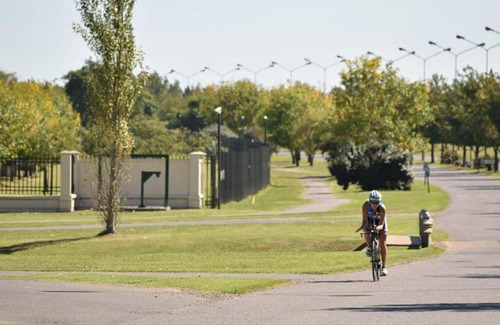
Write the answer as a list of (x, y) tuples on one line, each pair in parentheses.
[(375, 258)]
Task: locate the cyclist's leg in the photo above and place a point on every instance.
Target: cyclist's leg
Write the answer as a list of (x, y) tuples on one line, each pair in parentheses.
[(383, 246), (367, 239)]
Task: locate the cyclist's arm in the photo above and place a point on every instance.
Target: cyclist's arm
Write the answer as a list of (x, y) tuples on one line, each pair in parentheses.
[(381, 222), (364, 212)]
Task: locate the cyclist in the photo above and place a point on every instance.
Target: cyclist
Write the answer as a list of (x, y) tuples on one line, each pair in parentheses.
[(373, 208)]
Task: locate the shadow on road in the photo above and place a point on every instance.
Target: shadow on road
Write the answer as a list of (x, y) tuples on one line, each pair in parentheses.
[(461, 307), (70, 291), (343, 281)]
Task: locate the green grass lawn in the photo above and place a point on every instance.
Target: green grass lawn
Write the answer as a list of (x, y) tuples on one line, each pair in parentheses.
[(225, 285), (326, 245)]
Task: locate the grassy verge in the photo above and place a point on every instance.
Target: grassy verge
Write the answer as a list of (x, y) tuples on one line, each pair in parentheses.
[(307, 248), (224, 285)]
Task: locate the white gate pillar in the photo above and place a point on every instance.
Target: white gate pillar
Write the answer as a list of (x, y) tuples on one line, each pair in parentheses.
[(196, 199), (67, 199)]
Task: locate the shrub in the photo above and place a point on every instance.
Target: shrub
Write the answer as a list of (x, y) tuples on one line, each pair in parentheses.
[(378, 166)]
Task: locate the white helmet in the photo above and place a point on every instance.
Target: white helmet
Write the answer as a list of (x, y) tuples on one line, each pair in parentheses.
[(375, 196)]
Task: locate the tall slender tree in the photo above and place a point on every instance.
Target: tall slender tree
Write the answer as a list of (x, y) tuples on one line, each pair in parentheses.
[(112, 90)]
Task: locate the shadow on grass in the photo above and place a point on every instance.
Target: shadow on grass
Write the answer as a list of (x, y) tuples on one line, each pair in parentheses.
[(7, 250)]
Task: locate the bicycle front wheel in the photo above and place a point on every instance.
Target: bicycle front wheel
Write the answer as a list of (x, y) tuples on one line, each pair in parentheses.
[(375, 262)]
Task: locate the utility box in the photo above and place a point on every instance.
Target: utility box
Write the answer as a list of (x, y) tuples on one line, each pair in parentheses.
[(425, 225)]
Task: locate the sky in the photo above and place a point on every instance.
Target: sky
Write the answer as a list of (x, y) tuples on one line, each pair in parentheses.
[(38, 41)]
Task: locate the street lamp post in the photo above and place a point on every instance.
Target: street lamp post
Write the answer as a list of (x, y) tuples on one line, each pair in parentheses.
[(481, 45), (218, 110), (464, 51), (265, 129), (188, 77), (415, 55), (453, 53), (253, 71), (401, 57), (379, 56), (493, 46), (290, 70), (446, 49), (230, 71), (424, 60), (216, 72), (325, 68)]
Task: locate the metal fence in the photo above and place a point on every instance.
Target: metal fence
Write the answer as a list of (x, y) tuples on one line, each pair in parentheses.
[(245, 170), (30, 176)]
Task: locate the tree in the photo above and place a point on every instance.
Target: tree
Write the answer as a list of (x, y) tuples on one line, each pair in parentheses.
[(293, 113), (36, 119), (492, 97), (6, 76), (112, 91), (476, 128), (309, 130), (439, 129), (377, 119), (377, 104), (242, 103), (75, 88)]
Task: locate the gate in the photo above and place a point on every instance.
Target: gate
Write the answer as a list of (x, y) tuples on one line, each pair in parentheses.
[(30, 176), (245, 170)]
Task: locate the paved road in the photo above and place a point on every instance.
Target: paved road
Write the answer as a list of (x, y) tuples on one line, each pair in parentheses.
[(461, 287)]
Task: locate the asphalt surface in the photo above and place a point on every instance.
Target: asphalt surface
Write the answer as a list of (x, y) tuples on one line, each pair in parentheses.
[(460, 287)]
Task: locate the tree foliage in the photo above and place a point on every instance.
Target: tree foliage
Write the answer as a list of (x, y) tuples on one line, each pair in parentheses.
[(375, 104), (298, 117), (243, 104), (36, 119)]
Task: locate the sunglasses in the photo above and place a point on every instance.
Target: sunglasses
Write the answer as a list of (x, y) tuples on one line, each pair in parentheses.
[(374, 202)]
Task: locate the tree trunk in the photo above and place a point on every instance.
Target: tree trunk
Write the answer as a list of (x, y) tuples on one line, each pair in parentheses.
[(464, 156), (310, 159), (443, 146), (432, 152), (495, 168), (297, 157), (113, 197)]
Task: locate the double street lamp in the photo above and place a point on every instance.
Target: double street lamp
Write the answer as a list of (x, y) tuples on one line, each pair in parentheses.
[(325, 68), (456, 55), (221, 75), (254, 72), (481, 45), (493, 46), (424, 60), (188, 77), (291, 71), (378, 56), (401, 57)]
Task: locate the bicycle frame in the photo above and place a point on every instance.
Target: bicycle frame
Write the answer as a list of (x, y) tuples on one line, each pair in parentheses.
[(375, 248)]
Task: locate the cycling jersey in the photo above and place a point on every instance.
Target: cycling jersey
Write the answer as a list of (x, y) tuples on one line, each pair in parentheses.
[(375, 214)]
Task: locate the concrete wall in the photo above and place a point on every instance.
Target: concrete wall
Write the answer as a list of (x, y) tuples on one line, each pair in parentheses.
[(185, 182), (11, 203)]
